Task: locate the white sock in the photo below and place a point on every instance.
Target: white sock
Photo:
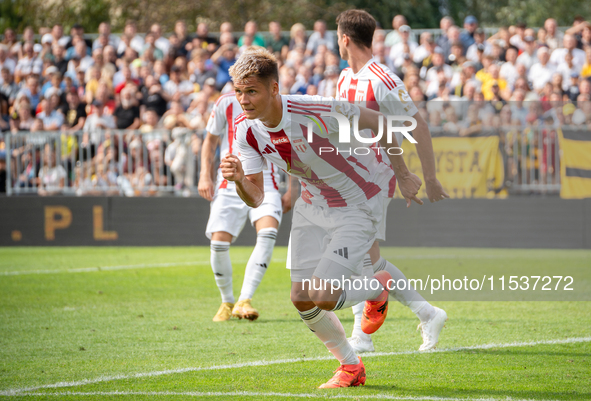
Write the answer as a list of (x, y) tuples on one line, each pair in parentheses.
[(367, 271), (258, 262), (330, 331), (222, 269), (409, 296)]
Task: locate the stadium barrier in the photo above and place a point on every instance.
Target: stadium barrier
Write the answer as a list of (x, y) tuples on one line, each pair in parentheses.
[(489, 163), (110, 162), (518, 222)]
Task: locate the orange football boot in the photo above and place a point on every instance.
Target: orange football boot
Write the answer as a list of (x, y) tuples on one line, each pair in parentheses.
[(375, 310), (347, 376)]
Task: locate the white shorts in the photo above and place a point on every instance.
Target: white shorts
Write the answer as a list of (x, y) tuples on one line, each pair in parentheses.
[(341, 235), (228, 213), (382, 224)]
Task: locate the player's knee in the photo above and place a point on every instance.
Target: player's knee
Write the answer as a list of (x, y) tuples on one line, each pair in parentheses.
[(326, 305), (322, 299), (300, 299)]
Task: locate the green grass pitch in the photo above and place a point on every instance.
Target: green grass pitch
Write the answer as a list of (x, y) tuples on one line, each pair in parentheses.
[(135, 323)]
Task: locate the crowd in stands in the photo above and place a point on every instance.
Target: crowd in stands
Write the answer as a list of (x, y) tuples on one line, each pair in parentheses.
[(146, 82)]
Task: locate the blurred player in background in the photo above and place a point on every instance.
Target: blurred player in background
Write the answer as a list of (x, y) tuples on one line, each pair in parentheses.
[(228, 215), (373, 85), (336, 219)]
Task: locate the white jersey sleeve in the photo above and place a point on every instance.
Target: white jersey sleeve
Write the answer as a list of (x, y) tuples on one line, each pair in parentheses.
[(248, 152), (218, 123)]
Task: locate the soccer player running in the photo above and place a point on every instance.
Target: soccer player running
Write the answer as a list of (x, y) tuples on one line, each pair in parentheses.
[(228, 215), (335, 221), (371, 84)]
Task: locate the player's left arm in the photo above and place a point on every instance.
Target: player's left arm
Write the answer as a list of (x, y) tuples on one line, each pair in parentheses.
[(397, 102), (408, 183), (422, 135)]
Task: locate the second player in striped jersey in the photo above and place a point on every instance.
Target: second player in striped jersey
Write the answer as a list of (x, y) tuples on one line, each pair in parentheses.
[(371, 84), (228, 214)]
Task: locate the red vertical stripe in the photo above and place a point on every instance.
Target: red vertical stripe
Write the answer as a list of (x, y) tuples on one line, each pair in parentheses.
[(230, 121), (392, 187), (252, 141), (273, 176), (352, 90)]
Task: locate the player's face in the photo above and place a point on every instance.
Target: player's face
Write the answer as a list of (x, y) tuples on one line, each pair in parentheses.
[(254, 96), (342, 49)]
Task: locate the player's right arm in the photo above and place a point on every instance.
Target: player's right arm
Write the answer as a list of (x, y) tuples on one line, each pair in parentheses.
[(251, 188), (246, 171), (205, 186)]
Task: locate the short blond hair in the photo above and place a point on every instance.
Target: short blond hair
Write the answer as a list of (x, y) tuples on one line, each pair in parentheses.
[(255, 61)]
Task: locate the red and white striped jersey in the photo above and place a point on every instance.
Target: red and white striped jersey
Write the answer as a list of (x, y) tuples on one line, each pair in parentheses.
[(221, 124), (377, 88), (330, 172)]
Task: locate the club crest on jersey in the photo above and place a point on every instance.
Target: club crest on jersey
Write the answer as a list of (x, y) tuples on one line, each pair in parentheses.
[(299, 145)]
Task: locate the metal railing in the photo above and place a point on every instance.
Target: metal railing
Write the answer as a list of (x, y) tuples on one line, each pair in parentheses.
[(159, 163), (109, 162)]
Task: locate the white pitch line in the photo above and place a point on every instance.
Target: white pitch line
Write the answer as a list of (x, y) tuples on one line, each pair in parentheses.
[(273, 394), (113, 268), (282, 361), (202, 262)]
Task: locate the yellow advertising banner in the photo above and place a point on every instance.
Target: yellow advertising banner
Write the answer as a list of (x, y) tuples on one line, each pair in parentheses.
[(466, 167), (575, 166)]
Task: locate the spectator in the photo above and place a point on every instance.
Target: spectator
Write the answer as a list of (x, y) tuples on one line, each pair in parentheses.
[(566, 69), (159, 41), (251, 29), (207, 41), (277, 43), (152, 119), (480, 44), (105, 32), (509, 69), (425, 49), (28, 63), (453, 36), (554, 37), (517, 40), (297, 36), (541, 72), (52, 176), (320, 37), (95, 123), (51, 117), (470, 26), (224, 58), (8, 87), (201, 67), (6, 62), (394, 37), (150, 46), (127, 114), (22, 119), (74, 112), (177, 88), (528, 58), (180, 31), (127, 79), (443, 41), (578, 55), (31, 91), (586, 70), (397, 51), (153, 98)]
